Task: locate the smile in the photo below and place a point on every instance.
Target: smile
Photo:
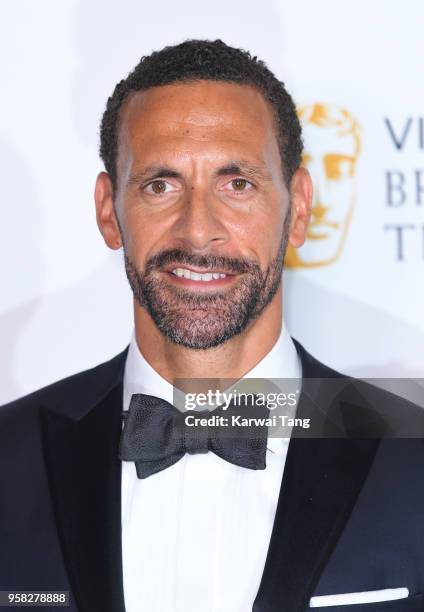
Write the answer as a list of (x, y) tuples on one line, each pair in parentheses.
[(201, 280), (197, 276)]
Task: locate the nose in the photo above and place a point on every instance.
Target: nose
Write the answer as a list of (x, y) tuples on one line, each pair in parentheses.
[(200, 223)]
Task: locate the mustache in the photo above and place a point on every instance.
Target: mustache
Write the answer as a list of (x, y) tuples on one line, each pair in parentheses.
[(232, 265)]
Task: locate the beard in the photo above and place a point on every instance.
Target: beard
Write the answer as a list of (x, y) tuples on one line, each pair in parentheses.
[(203, 321)]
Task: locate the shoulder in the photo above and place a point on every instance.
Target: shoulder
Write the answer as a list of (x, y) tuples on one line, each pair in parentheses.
[(312, 367), (69, 393)]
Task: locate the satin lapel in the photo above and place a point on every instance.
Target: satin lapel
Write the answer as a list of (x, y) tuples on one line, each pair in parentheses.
[(85, 483), (321, 482)]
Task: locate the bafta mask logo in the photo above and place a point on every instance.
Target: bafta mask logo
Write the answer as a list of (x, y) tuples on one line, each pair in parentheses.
[(332, 147)]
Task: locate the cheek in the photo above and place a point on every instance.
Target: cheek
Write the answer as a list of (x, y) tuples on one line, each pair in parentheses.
[(260, 237), (140, 233), (147, 232)]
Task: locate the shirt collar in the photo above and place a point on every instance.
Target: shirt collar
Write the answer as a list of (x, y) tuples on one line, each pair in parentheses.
[(282, 361)]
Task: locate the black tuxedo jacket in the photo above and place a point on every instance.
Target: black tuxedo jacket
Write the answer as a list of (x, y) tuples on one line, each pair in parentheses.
[(350, 514)]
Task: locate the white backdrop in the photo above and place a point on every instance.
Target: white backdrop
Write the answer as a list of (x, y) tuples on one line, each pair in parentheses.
[(65, 301)]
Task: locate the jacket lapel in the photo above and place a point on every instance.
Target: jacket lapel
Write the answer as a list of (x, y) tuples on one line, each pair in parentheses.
[(81, 451), (321, 482)]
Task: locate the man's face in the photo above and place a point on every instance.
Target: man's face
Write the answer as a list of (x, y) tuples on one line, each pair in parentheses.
[(202, 208)]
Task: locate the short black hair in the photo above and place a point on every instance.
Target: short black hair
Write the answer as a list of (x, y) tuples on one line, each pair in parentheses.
[(195, 60)]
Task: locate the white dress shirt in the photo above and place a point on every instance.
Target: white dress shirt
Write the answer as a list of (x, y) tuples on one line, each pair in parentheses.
[(195, 536)]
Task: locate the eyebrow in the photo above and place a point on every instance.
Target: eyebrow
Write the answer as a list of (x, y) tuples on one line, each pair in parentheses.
[(235, 167), (151, 173), (246, 168)]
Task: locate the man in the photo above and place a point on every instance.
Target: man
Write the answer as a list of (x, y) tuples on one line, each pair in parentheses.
[(203, 189)]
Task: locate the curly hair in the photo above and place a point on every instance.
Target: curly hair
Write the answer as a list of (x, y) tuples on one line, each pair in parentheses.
[(195, 60)]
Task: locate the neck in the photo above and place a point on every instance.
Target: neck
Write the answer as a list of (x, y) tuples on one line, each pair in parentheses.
[(232, 359)]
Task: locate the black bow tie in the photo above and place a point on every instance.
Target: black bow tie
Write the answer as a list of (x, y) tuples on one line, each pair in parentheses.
[(156, 435)]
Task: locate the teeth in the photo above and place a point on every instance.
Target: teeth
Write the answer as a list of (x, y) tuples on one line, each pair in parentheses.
[(196, 276)]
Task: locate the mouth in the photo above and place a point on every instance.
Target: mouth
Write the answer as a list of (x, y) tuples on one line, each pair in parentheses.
[(199, 278)]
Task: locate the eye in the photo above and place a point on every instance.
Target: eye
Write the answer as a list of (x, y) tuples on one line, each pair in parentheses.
[(238, 185), (158, 187)]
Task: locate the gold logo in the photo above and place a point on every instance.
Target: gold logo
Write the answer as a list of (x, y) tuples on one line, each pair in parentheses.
[(332, 147)]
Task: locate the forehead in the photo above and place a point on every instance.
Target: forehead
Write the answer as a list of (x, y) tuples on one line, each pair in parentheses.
[(197, 117)]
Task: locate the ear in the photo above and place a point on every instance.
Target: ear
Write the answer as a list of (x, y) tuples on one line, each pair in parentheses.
[(105, 211), (301, 191)]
